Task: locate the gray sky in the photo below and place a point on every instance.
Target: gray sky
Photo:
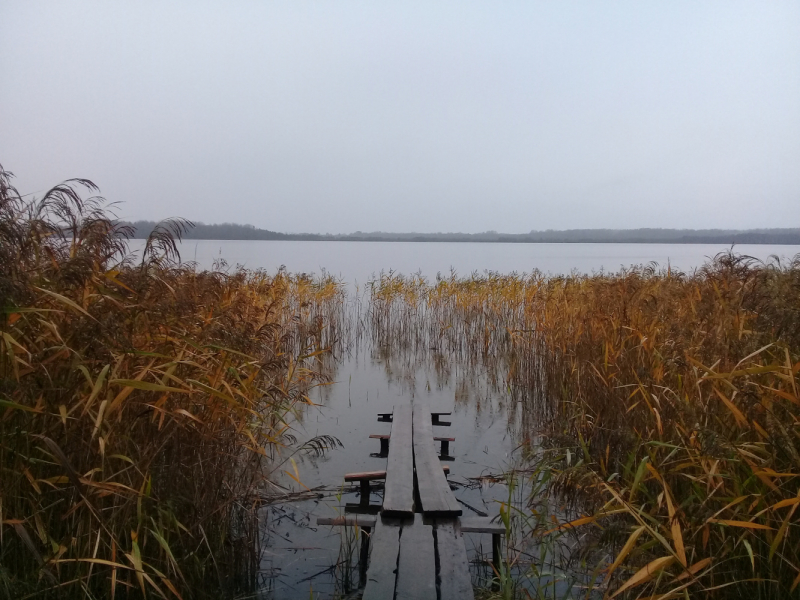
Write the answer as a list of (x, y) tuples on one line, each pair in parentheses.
[(431, 116)]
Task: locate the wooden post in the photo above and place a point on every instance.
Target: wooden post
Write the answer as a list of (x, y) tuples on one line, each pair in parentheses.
[(496, 552), (364, 491), (363, 558)]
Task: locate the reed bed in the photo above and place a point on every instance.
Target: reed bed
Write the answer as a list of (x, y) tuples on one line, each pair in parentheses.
[(145, 407), (667, 405)]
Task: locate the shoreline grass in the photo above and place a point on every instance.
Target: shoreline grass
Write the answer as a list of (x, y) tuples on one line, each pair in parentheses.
[(667, 404), (143, 405)]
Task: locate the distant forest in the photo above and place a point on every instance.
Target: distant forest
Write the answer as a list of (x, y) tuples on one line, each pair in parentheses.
[(232, 231)]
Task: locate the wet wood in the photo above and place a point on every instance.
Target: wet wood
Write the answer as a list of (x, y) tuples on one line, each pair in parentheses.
[(478, 525), (366, 475), (435, 494), (384, 550), (386, 436), (454, 579), (398, 495), (348, 521), (416, 569), (377, 475)]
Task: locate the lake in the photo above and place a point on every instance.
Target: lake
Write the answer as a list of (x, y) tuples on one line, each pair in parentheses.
[(301, 559), (356, 262)]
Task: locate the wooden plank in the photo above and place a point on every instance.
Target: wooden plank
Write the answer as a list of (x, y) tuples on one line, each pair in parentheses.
[(454, 579), (416, 569), (384, 549), (386, 436), (482, 525), (373, 475), (398, 495), (368, 475), (348, 520), (434, 492)]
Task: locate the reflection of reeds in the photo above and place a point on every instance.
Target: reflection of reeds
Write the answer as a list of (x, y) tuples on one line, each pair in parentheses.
[(142, 404), (668, 401)]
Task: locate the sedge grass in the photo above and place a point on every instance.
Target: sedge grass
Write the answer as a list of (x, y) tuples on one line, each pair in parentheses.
[(143, 404), (667, 403)]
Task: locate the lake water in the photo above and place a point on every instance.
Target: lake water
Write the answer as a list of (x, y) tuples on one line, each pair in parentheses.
[(356, 262), (300, 559)]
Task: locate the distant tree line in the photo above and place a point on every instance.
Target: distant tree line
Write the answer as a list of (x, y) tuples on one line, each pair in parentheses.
[(233, 231)]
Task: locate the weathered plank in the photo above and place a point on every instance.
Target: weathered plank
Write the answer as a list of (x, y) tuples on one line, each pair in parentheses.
[(384, 549), (453, 580), (416, 569), (398, 495), (365, 475), (481, 525), (386, 436), (434, 492), (373, 475), (344, 521)]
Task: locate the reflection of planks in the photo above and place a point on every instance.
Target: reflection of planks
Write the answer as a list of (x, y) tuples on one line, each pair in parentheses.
[(404, 558)]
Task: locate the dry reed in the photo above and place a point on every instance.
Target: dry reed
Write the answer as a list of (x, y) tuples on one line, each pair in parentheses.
[(668, 403), (143, 404)]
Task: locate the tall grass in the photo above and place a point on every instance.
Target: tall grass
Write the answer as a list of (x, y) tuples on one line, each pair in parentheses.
[(143, 404), (668, 401)]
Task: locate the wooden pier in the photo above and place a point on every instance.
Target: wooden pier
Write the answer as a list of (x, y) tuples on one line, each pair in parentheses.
[(415, 546)]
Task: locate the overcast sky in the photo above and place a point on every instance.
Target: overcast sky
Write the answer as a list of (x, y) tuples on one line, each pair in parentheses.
[(431, 116)]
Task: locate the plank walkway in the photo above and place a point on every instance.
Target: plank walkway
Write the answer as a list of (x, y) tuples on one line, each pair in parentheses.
[(416, 547), (398, 497), (436, 497)]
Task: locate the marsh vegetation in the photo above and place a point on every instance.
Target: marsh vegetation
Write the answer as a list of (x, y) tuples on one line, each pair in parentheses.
[(660, 412), (143, 405), (149, 409)]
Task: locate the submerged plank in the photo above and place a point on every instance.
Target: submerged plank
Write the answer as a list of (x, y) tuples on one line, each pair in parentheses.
[(398, 495), (384, 549), (416, 569), (435, 495), (453, 579)]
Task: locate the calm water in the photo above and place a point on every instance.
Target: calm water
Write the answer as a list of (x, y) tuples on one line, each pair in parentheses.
[(356, 262), (298, 555)]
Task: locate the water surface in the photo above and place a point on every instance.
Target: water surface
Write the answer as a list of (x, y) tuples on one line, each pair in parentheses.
[(356, 262)]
